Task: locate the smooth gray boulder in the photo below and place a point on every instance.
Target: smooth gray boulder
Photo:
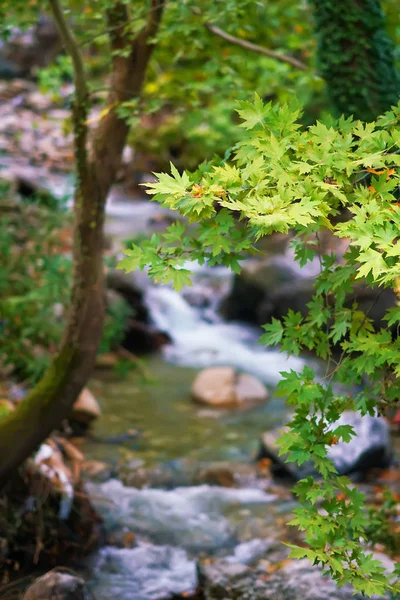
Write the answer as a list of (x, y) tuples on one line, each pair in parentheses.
[(369, 448), (268, 288)]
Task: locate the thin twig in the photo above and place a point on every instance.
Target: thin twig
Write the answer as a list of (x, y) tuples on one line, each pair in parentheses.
[(72, 47)]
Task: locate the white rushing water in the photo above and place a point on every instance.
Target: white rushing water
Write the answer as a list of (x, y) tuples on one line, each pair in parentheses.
[(197, 342), (200, 337), (149, 572), (145, 572), (170, 526), (194, 518)]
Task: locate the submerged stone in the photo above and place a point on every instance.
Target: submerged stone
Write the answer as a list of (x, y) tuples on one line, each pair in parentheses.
[(57, 586), (223, 387)]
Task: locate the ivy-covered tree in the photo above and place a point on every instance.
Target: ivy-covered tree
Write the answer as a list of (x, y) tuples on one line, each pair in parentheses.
[(356, 57)]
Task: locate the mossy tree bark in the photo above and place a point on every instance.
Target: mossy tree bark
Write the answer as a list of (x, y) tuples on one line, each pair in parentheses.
[(355, 57), (52, 398)]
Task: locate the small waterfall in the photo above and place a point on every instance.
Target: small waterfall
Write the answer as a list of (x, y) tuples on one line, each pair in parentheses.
[(197, 342), (170, 312)]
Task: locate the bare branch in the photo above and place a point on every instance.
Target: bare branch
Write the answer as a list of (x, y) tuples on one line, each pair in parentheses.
[(256, 48), (72, 47)]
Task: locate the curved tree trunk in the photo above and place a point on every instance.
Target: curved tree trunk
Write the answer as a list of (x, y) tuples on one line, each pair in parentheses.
[(52, 398)]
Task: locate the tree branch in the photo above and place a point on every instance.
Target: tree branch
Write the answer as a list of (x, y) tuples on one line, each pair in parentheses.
[(72, 47), (80, 109), (128, 74), (255, 48)]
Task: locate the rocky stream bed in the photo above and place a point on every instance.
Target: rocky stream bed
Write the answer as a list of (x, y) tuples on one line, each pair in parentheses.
[(187, 508)]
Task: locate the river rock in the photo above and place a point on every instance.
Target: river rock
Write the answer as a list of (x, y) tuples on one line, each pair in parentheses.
[(254, 288), (57, 586), (296, 580), (125, 284), (225, 473), (86, 408), (297, 294), (369, 448), (141, 338), (249, 389), (223, 387), (96, 470), (268, 288), (221, 473)]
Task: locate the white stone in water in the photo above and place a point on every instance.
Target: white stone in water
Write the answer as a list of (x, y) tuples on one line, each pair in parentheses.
[(57, 586), (369, 447), (247, 552), (145, 572)]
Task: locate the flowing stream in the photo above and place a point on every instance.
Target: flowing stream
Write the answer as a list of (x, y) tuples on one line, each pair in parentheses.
[(154, 427)]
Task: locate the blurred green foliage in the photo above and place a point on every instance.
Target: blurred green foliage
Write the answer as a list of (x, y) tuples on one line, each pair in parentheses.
[(34, 276), (187, 110), (382, 522), (35, 280)]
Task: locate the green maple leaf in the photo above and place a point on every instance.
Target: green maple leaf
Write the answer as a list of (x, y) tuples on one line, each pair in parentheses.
[(174, 184), (273, 333), (253, 113)]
